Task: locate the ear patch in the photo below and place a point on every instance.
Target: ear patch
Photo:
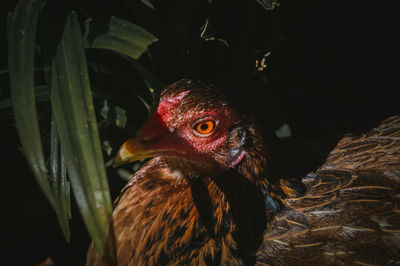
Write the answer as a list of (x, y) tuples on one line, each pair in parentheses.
[(238, 137)]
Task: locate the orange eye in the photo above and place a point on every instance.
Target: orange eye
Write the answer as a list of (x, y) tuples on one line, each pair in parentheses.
[(205, 127)]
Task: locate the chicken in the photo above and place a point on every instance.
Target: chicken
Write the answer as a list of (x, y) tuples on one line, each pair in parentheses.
[(205, 197)]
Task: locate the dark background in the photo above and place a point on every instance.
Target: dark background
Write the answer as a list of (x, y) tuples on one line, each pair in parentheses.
[(333, 69)]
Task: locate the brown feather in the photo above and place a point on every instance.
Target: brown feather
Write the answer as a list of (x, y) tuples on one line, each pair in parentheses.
[(351, 213)]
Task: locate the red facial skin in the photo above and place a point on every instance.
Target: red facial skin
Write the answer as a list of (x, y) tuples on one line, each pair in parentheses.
[(178, 139), (157, 124)]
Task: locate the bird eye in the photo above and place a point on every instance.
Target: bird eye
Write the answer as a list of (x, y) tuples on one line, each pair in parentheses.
[(205, 127)]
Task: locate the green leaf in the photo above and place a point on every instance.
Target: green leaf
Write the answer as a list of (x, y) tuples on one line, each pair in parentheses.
[(74, 114), (21, 42), (129, 39), (125, 37), (41, 95)]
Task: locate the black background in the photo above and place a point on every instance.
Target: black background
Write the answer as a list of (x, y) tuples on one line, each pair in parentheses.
[(333, 69)]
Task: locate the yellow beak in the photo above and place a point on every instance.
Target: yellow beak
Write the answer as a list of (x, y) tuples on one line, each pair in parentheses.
[(133, 150)]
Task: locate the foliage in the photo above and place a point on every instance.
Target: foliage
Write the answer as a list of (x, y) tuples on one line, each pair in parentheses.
[(74, 123)]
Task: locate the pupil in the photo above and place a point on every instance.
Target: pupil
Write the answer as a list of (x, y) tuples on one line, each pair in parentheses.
[(204, 127)]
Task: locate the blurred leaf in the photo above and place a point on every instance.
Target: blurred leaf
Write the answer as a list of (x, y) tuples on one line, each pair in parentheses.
[(41, 95), (120, 117), (284, 131), (269, 4), (21, 39), (124, 174), (148, 3), (73, 108), (127, 38)]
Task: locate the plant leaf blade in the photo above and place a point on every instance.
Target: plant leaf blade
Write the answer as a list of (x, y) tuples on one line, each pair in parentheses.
[(21, 36), (125, 37), (73, 109)]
